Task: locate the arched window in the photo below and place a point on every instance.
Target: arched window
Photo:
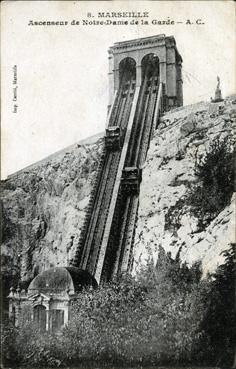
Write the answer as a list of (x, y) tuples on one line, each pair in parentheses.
[(40, 317), (127, 70), (150, 66)]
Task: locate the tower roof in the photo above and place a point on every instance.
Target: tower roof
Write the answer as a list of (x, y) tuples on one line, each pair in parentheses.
[(144, 42)]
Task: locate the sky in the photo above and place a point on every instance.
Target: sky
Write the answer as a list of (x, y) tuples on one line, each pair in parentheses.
[(62, 71)]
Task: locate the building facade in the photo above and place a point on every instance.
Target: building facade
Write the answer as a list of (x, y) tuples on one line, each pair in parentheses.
[(49, 297)]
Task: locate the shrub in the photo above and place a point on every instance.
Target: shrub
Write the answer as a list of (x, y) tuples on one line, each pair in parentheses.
[(220, 322), (9, 350), (216, 173), (152, 320), (174, 214), (37, 349)]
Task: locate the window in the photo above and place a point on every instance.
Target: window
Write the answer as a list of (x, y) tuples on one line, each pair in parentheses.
[(40, 317), (56, 320)]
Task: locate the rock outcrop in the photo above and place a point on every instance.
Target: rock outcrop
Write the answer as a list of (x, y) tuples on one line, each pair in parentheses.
[(44, 208), (183, 135)]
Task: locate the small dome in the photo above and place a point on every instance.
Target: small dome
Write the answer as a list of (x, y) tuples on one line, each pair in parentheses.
[(61, 279)]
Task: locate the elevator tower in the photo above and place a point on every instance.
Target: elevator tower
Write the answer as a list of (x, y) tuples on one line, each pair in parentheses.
[(169, 60)]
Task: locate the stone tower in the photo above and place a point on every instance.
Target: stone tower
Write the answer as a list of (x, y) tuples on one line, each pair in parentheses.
[(170, 65)]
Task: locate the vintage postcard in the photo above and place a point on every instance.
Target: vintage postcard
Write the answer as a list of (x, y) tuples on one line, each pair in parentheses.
[(118, 184)]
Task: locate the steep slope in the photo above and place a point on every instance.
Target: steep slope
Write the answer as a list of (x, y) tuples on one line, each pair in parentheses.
[(183, 135), (44, 208)]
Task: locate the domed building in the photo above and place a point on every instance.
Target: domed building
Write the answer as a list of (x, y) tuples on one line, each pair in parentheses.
[(50, 296)]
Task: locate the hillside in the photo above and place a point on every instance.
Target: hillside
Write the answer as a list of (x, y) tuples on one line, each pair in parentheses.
[(44, 205), (165, 219), (44, 208)]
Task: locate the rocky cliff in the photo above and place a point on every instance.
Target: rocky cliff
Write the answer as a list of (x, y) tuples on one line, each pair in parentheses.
[(44, 205), (44, 208), (183, 136)]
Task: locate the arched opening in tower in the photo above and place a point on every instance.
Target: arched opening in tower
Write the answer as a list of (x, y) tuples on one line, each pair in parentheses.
[(150, 66), (127, 70)]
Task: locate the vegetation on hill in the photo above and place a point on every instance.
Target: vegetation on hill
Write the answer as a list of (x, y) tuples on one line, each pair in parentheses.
[(213, 190), (167, 315), (216, 173)]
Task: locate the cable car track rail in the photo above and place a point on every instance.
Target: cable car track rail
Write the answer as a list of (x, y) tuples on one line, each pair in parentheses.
[(145, 120), (110, 210), (103, 246), (93, 228)]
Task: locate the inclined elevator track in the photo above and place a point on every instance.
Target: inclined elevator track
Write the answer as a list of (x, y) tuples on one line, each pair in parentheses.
[(89, 244), (118, 249)]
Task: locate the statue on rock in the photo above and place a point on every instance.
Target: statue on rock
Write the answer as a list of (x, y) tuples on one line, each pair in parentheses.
[(218, 96)]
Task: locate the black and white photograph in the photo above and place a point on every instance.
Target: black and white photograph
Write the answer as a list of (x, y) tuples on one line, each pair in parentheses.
[(118, 245)]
